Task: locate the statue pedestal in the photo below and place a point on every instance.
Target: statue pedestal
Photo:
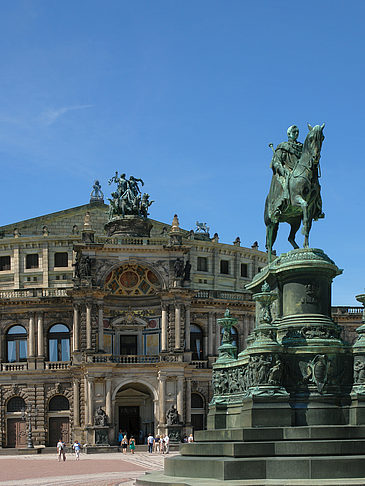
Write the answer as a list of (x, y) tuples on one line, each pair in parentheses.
[(101, 435), (133, 226), (174, 432)]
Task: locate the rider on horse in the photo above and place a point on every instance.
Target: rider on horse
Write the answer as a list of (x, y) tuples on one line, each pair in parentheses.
[(283, 162)]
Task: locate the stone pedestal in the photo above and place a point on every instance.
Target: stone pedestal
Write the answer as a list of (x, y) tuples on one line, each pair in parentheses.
[(133, 226), (296, 371), (101, 436), (174, 432)]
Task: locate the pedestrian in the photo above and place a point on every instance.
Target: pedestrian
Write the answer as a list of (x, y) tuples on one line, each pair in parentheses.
[(120, 437), (124, 444), (167, 444), (77, 448), (150, 442), (185, 440), (132, 444), (162, 445), (61, 450), (157, 444), (190, 438)]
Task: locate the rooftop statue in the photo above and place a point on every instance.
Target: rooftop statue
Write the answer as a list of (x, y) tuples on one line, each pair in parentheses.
[(96, 193), (295, 192), (128, 199)]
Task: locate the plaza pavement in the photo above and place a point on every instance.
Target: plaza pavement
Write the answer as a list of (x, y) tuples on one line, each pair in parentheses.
[(111, 469)]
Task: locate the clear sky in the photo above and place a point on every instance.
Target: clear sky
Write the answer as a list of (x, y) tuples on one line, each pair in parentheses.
[(187, 95)]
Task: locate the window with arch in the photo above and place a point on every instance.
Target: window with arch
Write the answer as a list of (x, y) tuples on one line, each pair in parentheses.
[(196, 342), (197, 411), (15, 404), (58, 403), (59, 343), (16, 344), (235, 337)]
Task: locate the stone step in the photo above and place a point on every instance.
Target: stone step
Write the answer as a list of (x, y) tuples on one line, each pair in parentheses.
[(273, 449), (256, 434), (300, 467)]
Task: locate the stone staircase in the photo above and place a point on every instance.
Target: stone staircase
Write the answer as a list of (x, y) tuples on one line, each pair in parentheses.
[(315, 452)]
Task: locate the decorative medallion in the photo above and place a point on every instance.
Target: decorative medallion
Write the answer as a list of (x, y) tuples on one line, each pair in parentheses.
[(132, 280)]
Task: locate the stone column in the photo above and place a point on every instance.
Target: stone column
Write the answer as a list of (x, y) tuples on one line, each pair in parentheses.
[(164, 321), (88, 325), (187, 328), (210, 334), (177, 326), (218, 335), (188, 402), (180, 397), (76, 329), (162, 397), (31, 341), (76, 385), (101, 328), (90, 386), (108, 399), (40, 336)]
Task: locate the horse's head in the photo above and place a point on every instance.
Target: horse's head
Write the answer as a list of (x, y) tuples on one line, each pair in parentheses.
[(313, 142)]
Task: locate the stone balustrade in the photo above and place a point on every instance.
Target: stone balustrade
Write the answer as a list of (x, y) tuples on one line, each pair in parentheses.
[(14, 366), (21, 294), (57, 365), (123, 359)]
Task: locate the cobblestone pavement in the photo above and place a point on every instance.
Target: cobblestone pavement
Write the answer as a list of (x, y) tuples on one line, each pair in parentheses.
[(92, 470)]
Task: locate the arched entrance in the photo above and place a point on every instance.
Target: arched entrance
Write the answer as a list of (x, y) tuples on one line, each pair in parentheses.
[(134, 411)]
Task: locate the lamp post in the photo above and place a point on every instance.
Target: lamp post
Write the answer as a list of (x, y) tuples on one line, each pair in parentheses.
[(27, 414)]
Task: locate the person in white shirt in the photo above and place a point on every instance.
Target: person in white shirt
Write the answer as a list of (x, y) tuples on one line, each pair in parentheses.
[(61, 450), (190, 438), (167, 444), (77, 448)]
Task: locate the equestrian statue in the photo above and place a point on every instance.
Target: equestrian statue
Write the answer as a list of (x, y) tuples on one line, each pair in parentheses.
[(295, 192)]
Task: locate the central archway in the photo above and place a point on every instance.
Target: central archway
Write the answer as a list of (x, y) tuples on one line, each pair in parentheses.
[(135, 410)]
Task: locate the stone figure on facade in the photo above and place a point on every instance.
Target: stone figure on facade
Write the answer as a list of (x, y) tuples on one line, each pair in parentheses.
[(187, 270), (82, 266), (172, 416), (295, 192), (179, 268), (96, 193), (128, 198), (202, 228), (317, 371), (100, 418)]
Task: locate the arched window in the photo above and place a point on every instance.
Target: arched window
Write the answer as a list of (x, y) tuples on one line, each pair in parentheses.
[(197, 401), (15, 404), (59, 343), (197, 411), (196, 341), (16, 344), (58, 403)]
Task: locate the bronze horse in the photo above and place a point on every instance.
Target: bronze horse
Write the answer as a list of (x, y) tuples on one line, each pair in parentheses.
[(304, 202)]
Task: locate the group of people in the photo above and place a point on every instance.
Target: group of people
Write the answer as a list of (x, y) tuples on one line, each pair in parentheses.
[(160, 443), (61, 450), (124, 442)]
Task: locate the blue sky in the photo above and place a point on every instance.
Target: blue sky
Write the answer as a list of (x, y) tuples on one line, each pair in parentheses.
[(186, 95)]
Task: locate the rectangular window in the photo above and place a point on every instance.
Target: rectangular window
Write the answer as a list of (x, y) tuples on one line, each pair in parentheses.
[(11, 351), (244, 270), (31, 260), (202, 264), (108, 343), (61, 259), (53, 355), (65, 350), (128, 344), (225, 267), (4, 263)]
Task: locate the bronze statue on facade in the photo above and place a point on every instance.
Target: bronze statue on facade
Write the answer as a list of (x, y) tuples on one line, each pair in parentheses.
[(128, 200), (295, 192)]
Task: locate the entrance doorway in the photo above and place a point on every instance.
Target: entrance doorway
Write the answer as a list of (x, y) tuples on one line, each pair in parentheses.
[(17, 435), (58, 429), (129, 421), (134, 408)]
